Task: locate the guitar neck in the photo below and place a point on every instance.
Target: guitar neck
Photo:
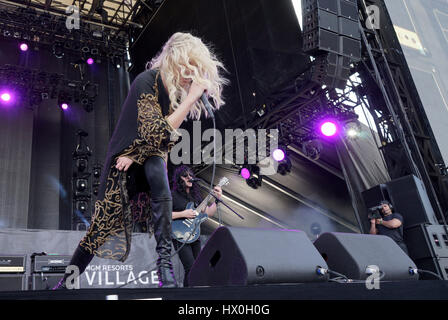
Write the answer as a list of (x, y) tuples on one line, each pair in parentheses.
[(201, 207)]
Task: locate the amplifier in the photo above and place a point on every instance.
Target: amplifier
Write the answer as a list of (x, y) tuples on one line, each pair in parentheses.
[(50, 263), (13, 282), (44, 281), (12, 263)]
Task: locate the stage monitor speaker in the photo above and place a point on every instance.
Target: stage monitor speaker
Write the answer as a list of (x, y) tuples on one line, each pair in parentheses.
[(244, 256), (373, 196), (13, 282), (44, 281), (351, 254), (409, 198)]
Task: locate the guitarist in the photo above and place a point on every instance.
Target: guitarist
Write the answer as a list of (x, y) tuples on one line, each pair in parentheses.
[(182, 193)]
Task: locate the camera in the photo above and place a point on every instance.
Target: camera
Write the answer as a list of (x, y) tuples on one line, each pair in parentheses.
[(375, 212)]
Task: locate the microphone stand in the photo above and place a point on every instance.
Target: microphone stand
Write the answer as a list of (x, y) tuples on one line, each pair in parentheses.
[(220, 201)]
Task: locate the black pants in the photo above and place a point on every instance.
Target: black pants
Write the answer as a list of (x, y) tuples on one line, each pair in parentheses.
[(157, 178), (187, 255)]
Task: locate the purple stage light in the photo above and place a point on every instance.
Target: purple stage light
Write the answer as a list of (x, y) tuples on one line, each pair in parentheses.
[(6, 96), (278, 155), (64, 106), (328, 128), (23, 47), (245, 173), (90, 61)]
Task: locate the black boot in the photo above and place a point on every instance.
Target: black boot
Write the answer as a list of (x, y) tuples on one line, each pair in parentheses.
[(162, 211), (81, 258)]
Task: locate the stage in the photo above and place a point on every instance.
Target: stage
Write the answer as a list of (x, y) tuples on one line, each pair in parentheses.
[(400, 290)]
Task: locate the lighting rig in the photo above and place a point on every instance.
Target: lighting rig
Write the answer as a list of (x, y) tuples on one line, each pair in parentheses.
[(38, 29), (29, 87)]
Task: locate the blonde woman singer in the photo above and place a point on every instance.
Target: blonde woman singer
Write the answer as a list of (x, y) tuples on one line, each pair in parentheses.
[(160, 99)]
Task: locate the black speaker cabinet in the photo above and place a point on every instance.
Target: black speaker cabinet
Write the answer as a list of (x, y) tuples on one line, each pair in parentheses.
[(350, 254), (44, 281), (13, 282), (426, 241), (373, 196), (410, 199), (436, 265), (242, 256)]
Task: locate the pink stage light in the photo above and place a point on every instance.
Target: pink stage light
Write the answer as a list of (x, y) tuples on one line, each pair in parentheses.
[(23, 47), (90, 61), (6, 96), (64, 106), (245, 173), (329, 128), (278, 155)]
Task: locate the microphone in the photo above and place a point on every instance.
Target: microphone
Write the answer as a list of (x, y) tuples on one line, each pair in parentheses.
[(194, 180), (207, 105)]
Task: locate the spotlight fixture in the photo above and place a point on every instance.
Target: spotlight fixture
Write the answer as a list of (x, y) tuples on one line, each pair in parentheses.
[(254, 180), (81, 185), (278, 154), (97, 172), (328, 128), (58, 50), (6, 97), (23, 47), (81, 164), (245, 173), (90, 61), (81, 206), (312, 148), (352, 130), (284, 167)]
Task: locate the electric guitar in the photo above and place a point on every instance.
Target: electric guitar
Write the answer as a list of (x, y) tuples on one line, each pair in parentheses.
[(187, 230)]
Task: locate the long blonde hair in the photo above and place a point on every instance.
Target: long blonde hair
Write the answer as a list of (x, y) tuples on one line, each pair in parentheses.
[(185, 55)]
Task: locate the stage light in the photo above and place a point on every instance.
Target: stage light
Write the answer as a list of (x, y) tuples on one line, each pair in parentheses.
[(90, 61), (278, 155), (97, 172), (64, 106), (6, 97), (23, 47), (81, 206), (58, 50), (352, 133), (81, 185), (81, 164), (252, 181), (245, 173), (352, 130), (284, 167), (328, 128)]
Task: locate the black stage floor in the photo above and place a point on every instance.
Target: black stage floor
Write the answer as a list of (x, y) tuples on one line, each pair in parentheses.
[(402, 290)]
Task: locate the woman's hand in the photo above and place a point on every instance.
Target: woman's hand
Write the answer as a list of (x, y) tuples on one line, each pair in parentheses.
[(218, 192), (195, 92), (189, 214), (123, 163)]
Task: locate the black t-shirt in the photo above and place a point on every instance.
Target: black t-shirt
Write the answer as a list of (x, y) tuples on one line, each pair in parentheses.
[(397, 233), (180, 200)]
